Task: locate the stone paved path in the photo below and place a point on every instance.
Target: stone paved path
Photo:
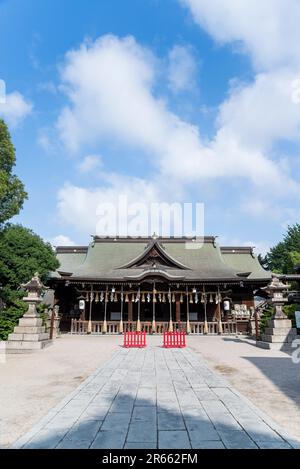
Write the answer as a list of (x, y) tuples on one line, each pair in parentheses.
[(155, 398)]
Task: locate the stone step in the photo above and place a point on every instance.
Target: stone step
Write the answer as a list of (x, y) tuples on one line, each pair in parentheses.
[(17, 346), (274, 346), (278, 338), (28, 337), (280, 331), (29, 329)]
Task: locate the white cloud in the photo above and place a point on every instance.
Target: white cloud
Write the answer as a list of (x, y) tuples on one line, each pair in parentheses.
[(110, 84), (62, 240), (15, 108), (182, 69), (2, 91), (258, 115), (268, 213), (260, 246), (257, 207), (264, 111), (79, 206), (292, 216), (267, 30), (90, 163), (112, 96), (44, 140), (47, 86)]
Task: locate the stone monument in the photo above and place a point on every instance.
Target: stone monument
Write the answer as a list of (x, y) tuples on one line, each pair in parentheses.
[(30, 334), (279, 333)]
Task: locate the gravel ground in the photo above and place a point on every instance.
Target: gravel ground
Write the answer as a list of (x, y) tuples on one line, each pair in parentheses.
[(268, 378), (31, 384)]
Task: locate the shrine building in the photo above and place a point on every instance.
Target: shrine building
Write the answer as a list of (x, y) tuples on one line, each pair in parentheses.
[(155, 284)]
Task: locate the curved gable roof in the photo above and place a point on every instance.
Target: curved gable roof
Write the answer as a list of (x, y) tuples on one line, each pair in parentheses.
[(120, 259), (162, 253)]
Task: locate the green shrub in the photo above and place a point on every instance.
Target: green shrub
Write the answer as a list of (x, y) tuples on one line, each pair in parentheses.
[(267, 315), (22, 253), (290, 312), (9, 318), (42, 310)]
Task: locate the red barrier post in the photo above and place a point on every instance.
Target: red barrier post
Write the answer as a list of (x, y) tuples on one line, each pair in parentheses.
[(134, 339), (174, 339)]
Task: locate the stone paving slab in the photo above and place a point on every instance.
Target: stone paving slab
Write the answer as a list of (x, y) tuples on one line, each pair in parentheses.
[(156, 398)]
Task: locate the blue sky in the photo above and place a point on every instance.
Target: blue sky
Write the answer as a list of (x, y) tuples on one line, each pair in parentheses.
[(161, 100)]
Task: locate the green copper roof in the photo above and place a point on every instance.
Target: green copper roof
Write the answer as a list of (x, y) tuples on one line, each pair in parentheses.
[(107, 258), (243, 260), (69, 259)]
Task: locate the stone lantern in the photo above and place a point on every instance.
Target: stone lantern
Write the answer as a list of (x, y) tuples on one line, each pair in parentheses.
[(34, 289), (30, 334), (279, 333), (276, 290)]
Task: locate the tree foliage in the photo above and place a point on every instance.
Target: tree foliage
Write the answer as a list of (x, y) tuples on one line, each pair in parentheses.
[(22, 253), (285, 256), (9, 317), (289, 310), (12, 193)]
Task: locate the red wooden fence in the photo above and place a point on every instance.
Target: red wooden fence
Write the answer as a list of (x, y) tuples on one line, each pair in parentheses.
[(134, 339), (174, 339)]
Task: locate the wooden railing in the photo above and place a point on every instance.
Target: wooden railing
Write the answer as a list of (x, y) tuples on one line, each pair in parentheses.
[(79, 326), (212, 328), (196, 327), (146, 326), (229, 327), (97, 327), (161, 327), (129, 326)]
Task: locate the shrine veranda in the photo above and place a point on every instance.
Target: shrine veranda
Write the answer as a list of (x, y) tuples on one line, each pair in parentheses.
[(157, 284)]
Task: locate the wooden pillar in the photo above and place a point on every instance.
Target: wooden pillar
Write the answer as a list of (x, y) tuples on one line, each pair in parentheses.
[(121, 317), (138, 323), (104, 330), (188, 326), (153, 327), (178, 318), (130, 311), (171, 320), (205, 329), (89, 328), (220, 327)]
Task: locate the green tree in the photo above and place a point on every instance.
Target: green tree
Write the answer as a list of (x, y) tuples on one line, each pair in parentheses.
[(12, 193), (285, 256), (295, 258), (22, 253)]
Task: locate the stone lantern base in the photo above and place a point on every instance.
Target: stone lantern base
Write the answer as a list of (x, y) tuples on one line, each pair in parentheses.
[(28, 336), (279, 335)]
